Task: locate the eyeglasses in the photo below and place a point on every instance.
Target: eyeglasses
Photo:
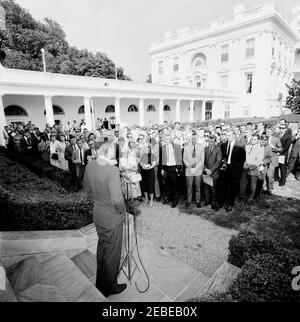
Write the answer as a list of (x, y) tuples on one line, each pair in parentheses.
[(206, 136), (282, 128)]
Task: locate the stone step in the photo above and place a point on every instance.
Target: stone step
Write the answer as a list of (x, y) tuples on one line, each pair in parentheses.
[(192, 289), (6, 292), (221, 280), (87, 263), (41, 293), (32, 242), (69, 279)]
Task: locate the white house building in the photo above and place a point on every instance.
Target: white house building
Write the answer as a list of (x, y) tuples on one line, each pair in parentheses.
[(254, 52), (233, 67)]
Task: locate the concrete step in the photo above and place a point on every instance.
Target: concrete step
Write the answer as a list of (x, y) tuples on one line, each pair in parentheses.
[(32, 242), (70, 280), (6, 292), (221, 280), (41, 293), (87, 263)]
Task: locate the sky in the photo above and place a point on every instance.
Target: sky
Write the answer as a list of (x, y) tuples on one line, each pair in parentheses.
[(124, 29)]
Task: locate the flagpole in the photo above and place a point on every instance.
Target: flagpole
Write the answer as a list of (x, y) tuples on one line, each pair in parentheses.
[(44, 60)]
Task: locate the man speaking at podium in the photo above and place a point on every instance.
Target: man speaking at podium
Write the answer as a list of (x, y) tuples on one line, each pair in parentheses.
[(102, 183)]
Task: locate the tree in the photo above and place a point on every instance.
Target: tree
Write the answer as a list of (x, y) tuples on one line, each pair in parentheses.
[(293, 100), (24, 37)]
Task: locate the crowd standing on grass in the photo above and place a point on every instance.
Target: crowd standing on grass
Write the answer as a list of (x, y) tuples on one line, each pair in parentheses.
[(213, 165)]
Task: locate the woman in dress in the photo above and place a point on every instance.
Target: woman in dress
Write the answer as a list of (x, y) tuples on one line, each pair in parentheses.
[(148, 162), (54, 149), (129, 168), (61, 153)]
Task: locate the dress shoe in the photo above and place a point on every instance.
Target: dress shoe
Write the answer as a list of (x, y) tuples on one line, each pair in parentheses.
[(187, 205), (206, 204), (158, 199), (166, 200), (198, 205), (117, 290), (174, 204)]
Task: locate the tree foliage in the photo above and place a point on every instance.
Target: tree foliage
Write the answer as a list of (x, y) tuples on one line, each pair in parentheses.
[(24, 38), (293, 100)]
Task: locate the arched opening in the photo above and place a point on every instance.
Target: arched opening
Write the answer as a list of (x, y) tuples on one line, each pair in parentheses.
[(167, 108), (198, 61), (110, 109), (15, 110), (132, 108), (151, 108), (57, 110), (81, 109)]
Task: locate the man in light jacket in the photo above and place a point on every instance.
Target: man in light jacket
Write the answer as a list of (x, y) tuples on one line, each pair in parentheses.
[(193, 159)]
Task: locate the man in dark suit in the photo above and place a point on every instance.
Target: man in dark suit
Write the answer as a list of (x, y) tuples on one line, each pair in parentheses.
[(286, 141), (26, 143), (233, 157), (212, 163), (103, 185), (294, 158), (69, 157), (160, 178), (78, 158), (171, 168)]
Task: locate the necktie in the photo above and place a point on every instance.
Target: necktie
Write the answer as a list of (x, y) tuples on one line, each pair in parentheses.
[(149, 158), (228, 149), (194, 151), (81, 159)]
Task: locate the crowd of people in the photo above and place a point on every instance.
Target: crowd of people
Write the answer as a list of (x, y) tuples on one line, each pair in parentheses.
[(213, 165)]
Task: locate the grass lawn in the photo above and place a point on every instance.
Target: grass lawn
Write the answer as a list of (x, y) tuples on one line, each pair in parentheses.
[(276, 217)]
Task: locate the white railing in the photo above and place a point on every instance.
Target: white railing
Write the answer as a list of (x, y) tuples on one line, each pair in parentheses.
[(247, 14)]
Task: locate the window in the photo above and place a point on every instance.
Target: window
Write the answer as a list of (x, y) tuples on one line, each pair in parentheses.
[(224, 53), (250, 46), (175, 65), (198, 81), (57, 110), (132, 108), (224, 81), (198, 61), (167, 108), (151, 108), (110, 109), (15, 110), (227, 111), (160, 67), (249, 79), (81, 109), (208, 111), (176, 83)]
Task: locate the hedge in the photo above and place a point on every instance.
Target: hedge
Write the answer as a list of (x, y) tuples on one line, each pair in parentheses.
[(42, 169), (28, 202), (266, 274)]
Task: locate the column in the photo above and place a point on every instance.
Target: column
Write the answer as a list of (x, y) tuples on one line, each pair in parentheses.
[(49, 110), (141, 112), (2, 121), (177, 117), (203, 110), (191, 117), (161, 112), (117, 110), (87, 113), (93, 115)]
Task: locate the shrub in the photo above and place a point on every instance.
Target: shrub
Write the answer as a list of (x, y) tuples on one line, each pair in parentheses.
[(28, 202), (246, 245), (267, 278), (42, 169)]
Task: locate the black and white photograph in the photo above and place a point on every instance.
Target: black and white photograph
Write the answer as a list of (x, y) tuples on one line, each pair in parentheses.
[(149, 153)]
